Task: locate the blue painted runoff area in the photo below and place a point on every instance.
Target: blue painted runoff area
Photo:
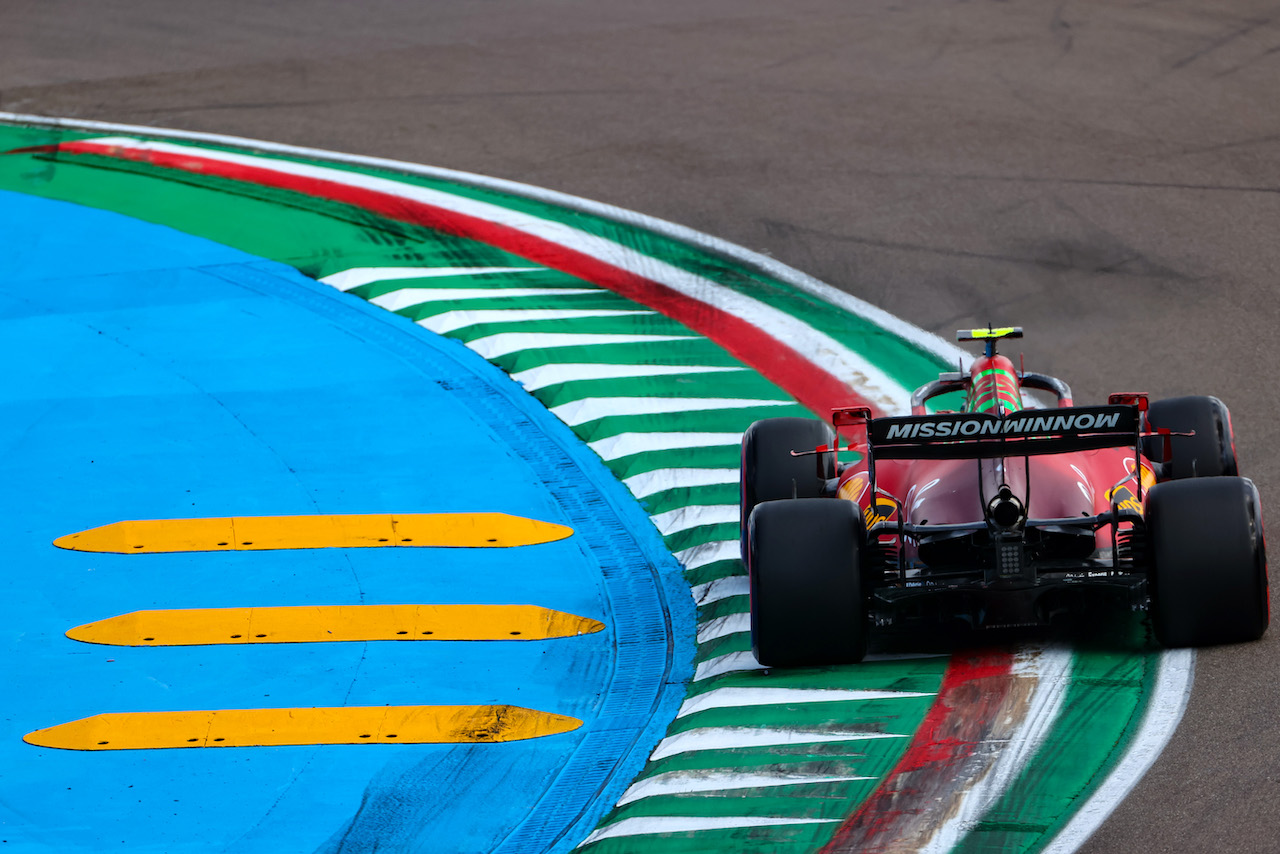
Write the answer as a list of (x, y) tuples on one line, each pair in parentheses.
[(156, 375)]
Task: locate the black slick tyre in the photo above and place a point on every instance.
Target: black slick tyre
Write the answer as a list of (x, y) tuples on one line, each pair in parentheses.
[(1208, 562), (1210, 452), (769, 472), (808, 606)]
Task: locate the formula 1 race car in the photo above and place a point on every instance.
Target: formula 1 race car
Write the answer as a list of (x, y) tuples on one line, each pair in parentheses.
[(998, 515)]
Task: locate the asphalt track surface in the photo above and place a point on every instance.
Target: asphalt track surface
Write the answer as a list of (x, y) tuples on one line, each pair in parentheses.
[(1104, 174)]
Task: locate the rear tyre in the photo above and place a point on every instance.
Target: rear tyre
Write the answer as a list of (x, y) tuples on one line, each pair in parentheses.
[(770, 473), (1208, 572), (1211, 452), (807, 601)]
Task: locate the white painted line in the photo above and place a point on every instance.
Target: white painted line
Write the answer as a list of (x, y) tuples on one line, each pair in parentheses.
[(626, 444), (1164, 712), (404, 298), (651, 482), (722, 698), (721, 588), (741, 662), (595, 408), (737, 738), (729, 624), (709, 553), (681, 782), (451, 321), (546, 375), (695, 516), (357, 276), (662, 824), (734, 662), (506, 343)]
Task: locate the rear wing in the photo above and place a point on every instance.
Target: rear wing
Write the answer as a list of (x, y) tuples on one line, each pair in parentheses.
[(985, 435)]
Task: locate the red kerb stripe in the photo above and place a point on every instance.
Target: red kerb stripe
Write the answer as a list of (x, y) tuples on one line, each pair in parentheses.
[(973, 689)]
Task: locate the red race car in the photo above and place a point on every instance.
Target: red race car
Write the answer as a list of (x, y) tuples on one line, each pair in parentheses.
[(998, 515)]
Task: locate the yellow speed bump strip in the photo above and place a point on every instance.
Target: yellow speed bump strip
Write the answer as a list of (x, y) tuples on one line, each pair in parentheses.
[(253, 533), (311, 624), (273, 727)]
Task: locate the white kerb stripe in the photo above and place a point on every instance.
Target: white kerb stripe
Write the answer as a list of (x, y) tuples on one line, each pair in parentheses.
[(724, 698), (695, 516), (409, 297), (450, 321), (729, 624), (709, 553), (357, 276), (655, 824), (594, 408), (736, 738), (680, 782), (821, 350), (626, 444), (734, 662), (721, 588), (545, 375), (506, 343), (651, 482)]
